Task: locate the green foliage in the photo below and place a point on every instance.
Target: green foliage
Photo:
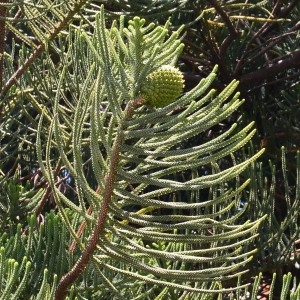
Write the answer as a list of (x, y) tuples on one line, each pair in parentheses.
[(32, 258), (157, 228), (279, 233), (257, 43), (147, 206)]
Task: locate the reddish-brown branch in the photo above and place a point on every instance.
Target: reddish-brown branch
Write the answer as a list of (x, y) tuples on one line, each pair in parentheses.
[(282, 13), (293, 61), (232, 32), (269, 44), (263, 31), (224, 16), (78, 268), (258, 76)]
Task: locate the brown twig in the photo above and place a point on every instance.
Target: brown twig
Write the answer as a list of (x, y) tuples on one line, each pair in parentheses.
[(224, 16), (292, 61), (266, 27), (283, 13), (269, 44), (214, 50), (232, 32)]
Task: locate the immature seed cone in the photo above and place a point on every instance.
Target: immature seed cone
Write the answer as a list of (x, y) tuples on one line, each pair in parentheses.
[(162, 86)]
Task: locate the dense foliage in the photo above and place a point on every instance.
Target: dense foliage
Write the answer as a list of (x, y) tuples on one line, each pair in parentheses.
[(103, 196)]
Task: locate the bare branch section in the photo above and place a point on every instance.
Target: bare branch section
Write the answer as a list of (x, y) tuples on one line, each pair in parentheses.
[(292, 61), (232, 32), (224, 16)]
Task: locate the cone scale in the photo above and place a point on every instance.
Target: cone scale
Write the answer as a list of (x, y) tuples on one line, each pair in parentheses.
[(162, 86)]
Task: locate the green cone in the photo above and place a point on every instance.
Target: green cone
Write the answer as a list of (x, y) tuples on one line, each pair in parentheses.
[(162, 86)]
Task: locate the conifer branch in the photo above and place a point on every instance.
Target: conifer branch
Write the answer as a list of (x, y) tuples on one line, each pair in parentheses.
[(67, 280)]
